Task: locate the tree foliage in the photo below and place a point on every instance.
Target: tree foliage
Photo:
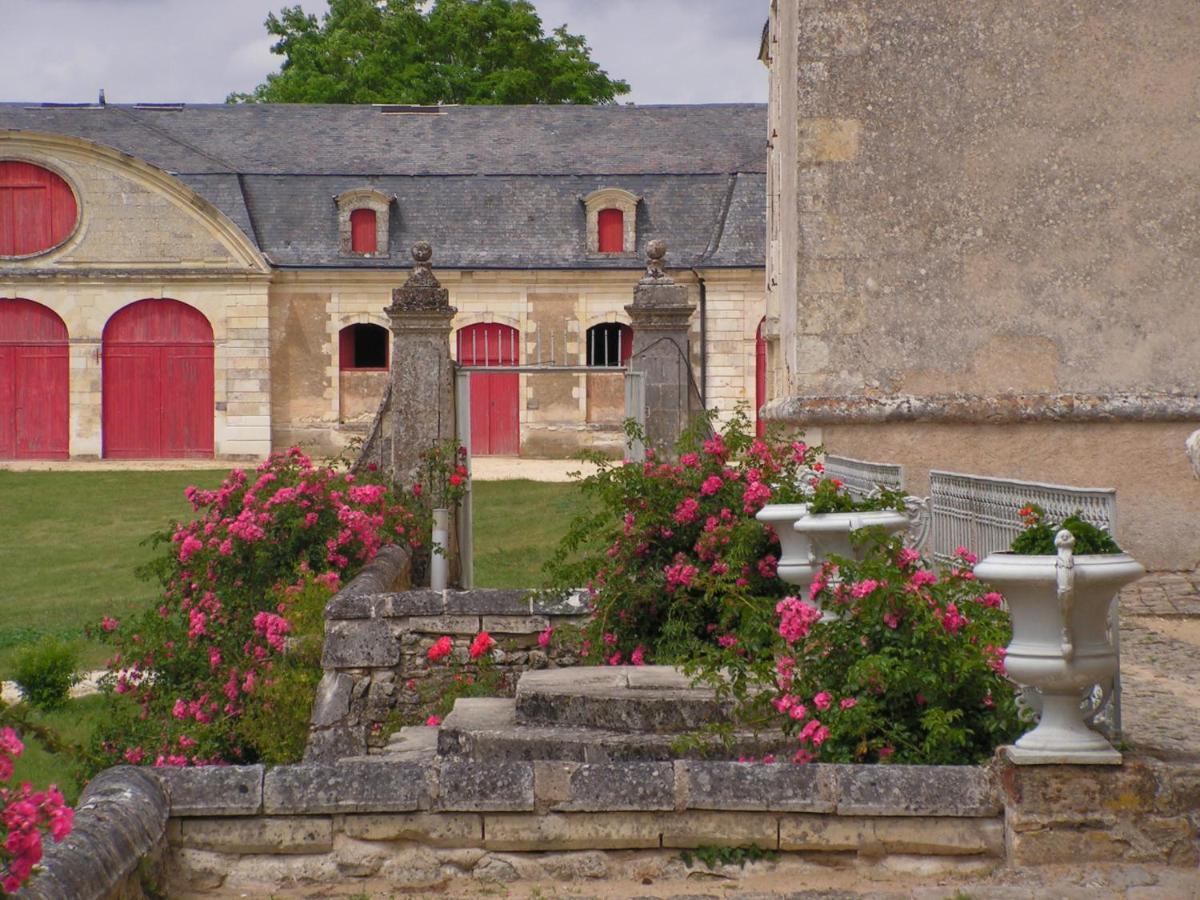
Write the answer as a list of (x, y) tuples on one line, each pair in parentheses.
[(411, 51)]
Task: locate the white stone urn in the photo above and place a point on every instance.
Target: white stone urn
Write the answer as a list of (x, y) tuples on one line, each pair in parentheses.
[(828, 534), (796, 561), (1060, 645)]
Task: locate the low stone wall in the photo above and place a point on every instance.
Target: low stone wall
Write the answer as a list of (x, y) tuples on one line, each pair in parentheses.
[(115, 850), (422, 825), (376, 642)]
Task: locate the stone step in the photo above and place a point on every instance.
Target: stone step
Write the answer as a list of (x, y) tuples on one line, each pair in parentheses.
[(644, 700), (488, 729)]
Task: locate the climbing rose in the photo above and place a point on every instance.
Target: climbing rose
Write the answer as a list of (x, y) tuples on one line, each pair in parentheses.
[(482, 644), (441, 648)]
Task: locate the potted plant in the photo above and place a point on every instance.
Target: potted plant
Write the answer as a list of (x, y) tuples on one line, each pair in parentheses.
[(1059, 580), (823, 521)]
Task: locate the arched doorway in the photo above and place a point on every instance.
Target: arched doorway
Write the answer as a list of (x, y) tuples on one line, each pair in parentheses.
[(495, 416), (158, 382), (760, 378), (35, 407)]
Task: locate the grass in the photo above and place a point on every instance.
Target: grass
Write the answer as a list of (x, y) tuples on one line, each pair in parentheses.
[(518, 524), (69, 542), (73, 724)]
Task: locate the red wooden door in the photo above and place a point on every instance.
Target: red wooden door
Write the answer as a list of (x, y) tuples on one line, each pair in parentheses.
[(34, 400), (495, 416), (760, 378), (158, 382)]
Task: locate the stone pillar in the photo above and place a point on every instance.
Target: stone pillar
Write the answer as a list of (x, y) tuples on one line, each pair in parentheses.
[(660, 314), (421, 412)]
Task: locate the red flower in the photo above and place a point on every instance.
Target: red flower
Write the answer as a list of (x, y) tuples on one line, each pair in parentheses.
[(482, 644), (441, 648)]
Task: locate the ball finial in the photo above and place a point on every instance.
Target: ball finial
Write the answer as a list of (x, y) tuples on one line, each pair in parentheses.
[(656, 250), (422, 252)]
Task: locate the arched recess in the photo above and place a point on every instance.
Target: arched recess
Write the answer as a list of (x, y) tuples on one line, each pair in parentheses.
[(760, 377), (495, 412), (362, 370), (158, 382), (35, 401)]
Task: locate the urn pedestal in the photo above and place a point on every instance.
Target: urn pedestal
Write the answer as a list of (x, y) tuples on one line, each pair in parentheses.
[(1060, 644)]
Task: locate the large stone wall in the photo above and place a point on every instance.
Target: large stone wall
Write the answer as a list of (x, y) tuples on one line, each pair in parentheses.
[(983, 220)]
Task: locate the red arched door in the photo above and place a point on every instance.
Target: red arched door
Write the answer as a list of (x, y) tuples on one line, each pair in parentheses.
[(158, 382), (35, 407), (495, 417), (760, 378)]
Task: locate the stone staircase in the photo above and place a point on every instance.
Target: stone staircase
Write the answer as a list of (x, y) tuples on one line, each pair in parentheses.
[(590, 715)]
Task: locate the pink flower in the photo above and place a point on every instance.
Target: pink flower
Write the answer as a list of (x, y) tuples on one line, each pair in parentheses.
[(795, 618), (108, 623), (179, 710), (768, 565), (823, 700), (441, 648), (615, 659), (686, 511), (711, 485), (952, 620), (544, 637), (727, 641), (638, 656), (863, 588), (966, 555), (482, 644), (891, 620), (919, 579), (848, 703), (433, 721), (691, 460), (134, 755), (907, 557), (992, 599)]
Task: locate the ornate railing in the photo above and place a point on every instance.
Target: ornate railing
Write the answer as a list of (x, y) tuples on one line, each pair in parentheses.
[(861, 477)]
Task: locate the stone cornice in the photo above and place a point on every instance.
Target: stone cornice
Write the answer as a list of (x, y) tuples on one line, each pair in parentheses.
[(988, 410)]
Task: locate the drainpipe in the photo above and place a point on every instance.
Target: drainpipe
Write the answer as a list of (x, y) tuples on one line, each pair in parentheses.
[(703, 338)]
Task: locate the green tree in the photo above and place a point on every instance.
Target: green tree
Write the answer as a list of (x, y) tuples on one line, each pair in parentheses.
[(408, 51)]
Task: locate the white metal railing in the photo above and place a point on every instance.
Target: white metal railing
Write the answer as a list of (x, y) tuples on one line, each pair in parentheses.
[(981, 513), (861, 477)]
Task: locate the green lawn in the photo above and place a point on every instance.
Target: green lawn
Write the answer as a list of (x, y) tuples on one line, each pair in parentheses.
[(69, 542)]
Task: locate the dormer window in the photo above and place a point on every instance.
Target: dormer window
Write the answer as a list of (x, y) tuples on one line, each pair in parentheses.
[(611, 222), (363, 223)]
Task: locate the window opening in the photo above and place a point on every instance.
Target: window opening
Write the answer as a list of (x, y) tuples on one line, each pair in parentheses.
[(363, 347), (609, 344), (362, 231), (611, 223)]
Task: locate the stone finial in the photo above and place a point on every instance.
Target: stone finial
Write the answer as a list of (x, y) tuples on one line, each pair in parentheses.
[(422, 292), (656, 252)]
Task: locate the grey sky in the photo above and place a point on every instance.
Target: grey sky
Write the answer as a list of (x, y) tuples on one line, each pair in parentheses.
[(670, 51)]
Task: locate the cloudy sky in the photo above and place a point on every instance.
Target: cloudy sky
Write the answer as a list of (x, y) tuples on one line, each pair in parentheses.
[(670, 51)]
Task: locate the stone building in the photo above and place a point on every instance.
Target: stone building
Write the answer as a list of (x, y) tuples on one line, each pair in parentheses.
[(984, 243), (182, 280)]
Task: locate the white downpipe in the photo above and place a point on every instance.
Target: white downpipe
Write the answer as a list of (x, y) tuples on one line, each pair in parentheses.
[(439, 564)]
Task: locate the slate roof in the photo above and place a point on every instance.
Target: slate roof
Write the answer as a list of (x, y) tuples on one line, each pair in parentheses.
[(489, 186)]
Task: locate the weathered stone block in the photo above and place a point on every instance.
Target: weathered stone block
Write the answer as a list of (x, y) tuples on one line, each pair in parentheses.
[(733, 786), (344, 605), (479, 786), (444, 624), (348, 786), (612, 787), (572, 831), (906, 835), (414, 603), (1128, 789), (916, 791), (488, 602), (332, 744), (332, 703), (259, 834), (214, 790), (828, 140), (572, 605), (359, 643), (721, 829), (434, 829), (515, 624)]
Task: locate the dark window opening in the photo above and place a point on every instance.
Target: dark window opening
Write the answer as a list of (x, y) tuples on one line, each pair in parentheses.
[(611, 224), (363, 347), (609, 344)]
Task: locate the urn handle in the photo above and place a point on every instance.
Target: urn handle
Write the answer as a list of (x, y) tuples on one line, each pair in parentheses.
[(1065, 577)]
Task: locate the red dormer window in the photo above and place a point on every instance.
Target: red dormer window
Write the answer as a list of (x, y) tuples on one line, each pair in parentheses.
[(362, 231), (37, 209), (611, 224)]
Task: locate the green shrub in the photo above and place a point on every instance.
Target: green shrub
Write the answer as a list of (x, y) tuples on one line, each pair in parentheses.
[(1038, 537), (46, 671)]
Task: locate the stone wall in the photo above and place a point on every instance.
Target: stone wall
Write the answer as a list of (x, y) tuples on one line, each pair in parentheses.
[(377, 638), (981, 222), (420, 825)]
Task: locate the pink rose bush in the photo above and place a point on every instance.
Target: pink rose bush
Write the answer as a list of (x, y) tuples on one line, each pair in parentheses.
[(670, 552), (187, 673), (908, 672), (25, 816)]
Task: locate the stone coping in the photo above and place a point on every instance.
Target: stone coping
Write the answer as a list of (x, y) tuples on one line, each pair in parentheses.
[(371, 785), (353, 602)]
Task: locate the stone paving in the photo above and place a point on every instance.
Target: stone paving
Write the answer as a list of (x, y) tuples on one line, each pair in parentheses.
[(1160, 665)]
